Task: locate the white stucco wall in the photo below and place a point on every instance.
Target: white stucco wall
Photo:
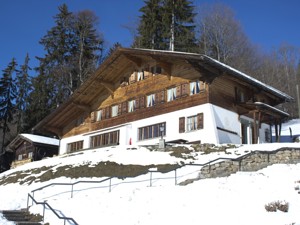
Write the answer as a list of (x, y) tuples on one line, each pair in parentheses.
[(229, 125), (220, 126)]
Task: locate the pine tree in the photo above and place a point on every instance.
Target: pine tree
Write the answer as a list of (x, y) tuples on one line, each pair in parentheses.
[(74, 48), (151, 27), (179, 28), (39, 99), (7, 99), (167, 25), (58, 43), (23, 82)]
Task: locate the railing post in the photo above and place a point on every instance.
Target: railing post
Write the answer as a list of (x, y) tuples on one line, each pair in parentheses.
[(110, 185), (72, 190), (27, 202), (32, 198), (44, 211), (150, 179), (175, 176)]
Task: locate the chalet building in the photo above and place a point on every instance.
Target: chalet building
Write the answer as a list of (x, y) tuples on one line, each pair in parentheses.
[(138, 96), (29, 147)]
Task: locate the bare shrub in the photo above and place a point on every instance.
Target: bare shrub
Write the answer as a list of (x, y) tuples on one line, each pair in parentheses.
[(277, 205)]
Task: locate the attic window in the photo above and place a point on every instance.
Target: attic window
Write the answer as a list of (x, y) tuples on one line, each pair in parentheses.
[(140, 75)]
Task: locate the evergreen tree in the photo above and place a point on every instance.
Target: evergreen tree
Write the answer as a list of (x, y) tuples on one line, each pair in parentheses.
[(167, 25), (58, 45), (112, 49), (151, 27), (179, 28), (73, 51), (23, 83), (7, 99), (39, 99)]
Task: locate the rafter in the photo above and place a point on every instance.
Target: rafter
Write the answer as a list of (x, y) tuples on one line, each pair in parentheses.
[(167, 67), (109, 87), (55, 130), (137, 61), (86, 108), (206, 74)]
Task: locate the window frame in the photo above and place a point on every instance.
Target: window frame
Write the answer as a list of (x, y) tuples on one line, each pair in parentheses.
[(151, 100), (152, 131), (114, 111)]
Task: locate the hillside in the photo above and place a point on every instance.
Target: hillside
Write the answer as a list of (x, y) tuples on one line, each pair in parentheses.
[(228, 200)]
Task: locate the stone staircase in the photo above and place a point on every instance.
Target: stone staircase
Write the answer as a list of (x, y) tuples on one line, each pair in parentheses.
[(21, 217)]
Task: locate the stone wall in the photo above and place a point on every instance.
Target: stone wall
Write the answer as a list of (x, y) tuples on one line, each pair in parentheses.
[(252, 161)]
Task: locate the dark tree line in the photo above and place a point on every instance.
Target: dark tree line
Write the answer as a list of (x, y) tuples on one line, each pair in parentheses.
[(74, 49)]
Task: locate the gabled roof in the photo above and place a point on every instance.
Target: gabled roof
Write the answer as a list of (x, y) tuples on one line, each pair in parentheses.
[(35, 139), (107, 77)]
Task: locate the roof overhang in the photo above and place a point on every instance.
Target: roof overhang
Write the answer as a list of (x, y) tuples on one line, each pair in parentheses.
[(270, 113), (104, 81)]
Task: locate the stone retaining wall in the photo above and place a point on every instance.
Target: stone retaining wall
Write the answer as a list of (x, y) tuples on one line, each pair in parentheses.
[(251, 162)]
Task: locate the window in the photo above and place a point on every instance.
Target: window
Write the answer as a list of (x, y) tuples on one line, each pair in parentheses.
[(30, 155), (150, 100), (131, 105), (195, 122), (110, 138), (140, 75), (75, 146), (114, 110), (152, 131), (171, 94), (99, 115), (132, 78), (195, 87), (240, 95)]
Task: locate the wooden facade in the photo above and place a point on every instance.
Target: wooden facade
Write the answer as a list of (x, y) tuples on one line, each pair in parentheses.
[(135, 84), (28, 147)]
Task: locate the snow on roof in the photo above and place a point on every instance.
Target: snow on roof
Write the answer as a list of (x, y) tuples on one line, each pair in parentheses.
[(41, 139), (235, 71), (251, 79)]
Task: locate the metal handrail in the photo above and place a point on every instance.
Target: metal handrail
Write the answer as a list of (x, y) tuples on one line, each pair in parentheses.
[(109, 178), (46, 204), (70, 184)]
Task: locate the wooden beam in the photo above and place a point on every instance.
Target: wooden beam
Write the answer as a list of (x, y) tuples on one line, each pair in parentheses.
[(86, 108), (137, 61), (206, 74), (108, 86), (55, 130), (167, 67)]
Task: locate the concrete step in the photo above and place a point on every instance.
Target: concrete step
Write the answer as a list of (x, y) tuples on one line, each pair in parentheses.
[(21, 217)]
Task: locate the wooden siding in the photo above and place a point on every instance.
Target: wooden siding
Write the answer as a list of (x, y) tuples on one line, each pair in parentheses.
[(223, 93), (153, 84)]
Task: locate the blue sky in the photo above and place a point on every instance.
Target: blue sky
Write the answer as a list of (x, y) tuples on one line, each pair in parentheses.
[(267, 23)]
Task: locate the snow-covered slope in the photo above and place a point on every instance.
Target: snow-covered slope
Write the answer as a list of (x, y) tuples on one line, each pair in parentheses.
[(237, 199)]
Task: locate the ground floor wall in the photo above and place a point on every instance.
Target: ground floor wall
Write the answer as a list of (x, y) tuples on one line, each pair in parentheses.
[(204, 123)]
